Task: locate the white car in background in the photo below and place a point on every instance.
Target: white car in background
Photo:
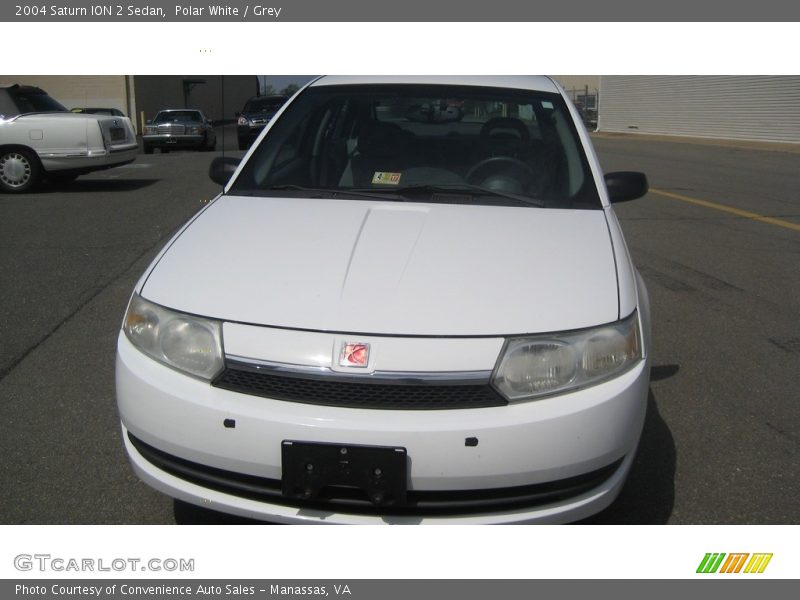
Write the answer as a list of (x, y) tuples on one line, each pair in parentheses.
[(40, 139), (390, 319)]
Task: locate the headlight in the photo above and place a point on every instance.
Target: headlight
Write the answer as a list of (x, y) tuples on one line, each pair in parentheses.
[(184, 342), (541, 365), (243, 121)]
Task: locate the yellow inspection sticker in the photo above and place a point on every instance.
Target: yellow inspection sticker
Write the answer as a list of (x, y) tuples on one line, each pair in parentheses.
[(384, 178)]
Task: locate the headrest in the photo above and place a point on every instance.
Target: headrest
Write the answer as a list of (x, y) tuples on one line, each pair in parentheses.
[(505, 128)]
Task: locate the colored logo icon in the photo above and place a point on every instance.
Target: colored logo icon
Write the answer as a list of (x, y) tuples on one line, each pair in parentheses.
[(719, 562), (354, 354)]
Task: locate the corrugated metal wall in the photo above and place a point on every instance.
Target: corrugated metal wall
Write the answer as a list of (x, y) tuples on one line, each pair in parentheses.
[(742, 107)]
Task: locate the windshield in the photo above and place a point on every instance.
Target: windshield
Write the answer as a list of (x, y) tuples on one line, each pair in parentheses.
[(178, 116), (427, 143), (263, 105)]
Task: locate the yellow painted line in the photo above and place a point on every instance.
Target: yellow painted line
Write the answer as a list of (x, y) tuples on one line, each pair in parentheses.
[(728, 209)]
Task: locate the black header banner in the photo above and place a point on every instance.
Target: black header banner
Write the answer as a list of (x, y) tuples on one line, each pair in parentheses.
[(399, 11)]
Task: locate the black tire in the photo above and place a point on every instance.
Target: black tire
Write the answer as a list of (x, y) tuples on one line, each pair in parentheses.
[(19, 170), (148, 149), (243, 144), (209, 147)]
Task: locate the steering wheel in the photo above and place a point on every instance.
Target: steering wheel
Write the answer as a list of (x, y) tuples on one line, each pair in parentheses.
[(494, 171)]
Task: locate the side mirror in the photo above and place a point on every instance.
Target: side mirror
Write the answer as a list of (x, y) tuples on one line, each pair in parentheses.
[(625, 185), (221, 169)]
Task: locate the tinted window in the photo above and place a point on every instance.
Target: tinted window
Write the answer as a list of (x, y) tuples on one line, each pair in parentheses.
[(426, 143), (35, 101)]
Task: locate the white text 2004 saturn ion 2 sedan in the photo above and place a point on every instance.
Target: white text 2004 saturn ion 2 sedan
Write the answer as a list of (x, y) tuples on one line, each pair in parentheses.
[(412, 304)]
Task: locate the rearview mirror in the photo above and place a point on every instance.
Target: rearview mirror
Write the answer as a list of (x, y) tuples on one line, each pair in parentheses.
[(625, 185), (221, 169)]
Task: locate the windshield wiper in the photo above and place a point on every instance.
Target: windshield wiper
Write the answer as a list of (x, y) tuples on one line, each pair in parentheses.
[(467, 188), (334, 193), (402, 194)]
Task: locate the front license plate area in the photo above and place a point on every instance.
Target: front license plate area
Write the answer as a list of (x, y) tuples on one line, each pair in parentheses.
[(313, 469)]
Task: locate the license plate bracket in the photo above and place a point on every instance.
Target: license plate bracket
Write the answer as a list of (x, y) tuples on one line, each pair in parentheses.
[(311, 467)]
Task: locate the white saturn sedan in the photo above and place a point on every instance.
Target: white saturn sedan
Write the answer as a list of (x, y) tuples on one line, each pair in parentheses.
[(412, 303)]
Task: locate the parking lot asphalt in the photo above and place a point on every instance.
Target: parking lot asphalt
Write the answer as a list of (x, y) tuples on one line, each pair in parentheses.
[(721, 438)]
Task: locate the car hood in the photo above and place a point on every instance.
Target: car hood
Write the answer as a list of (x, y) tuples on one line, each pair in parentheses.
[(388, 268)]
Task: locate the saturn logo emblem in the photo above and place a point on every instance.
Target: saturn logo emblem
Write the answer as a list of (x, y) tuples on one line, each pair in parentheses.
[(354, 354)]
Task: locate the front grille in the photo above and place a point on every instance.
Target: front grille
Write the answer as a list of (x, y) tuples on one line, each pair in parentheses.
[(375, 394), (353, 501), (172, 129)]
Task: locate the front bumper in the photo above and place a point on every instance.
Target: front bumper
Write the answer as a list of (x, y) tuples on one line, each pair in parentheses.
[(526, 446), (173, 141)]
